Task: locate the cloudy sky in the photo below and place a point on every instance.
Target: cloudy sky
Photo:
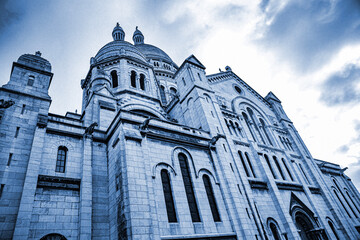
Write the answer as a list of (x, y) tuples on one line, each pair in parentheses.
[(307, 52)]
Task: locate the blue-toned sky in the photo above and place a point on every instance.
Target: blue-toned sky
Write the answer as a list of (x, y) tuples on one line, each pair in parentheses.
[(307, 52)]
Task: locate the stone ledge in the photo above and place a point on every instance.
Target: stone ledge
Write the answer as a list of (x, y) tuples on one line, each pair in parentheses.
[(289, 186), (217, 236), (254, 183), (58, 182)]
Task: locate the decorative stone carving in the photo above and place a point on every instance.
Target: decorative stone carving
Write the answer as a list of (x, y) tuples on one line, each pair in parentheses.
[(90, 129), (42, 120), (6, 104)]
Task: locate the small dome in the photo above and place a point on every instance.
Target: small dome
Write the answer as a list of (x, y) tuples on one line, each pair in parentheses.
[(118, 33), (35, 61), (138, 37)]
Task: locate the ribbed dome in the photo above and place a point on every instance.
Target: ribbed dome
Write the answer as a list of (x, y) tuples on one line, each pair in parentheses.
[(152, 52), (35, 61), (119, 48)]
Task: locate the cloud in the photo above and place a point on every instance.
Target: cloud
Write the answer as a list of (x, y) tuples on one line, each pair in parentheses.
[(341, 88), (306, 34), (343, 149), (6, 14)]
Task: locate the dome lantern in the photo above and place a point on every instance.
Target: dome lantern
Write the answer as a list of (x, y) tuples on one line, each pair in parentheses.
[(118, 33), (138, 37)]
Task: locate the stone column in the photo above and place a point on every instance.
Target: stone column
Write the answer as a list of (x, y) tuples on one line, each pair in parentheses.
[(85, 207), (22, 226)]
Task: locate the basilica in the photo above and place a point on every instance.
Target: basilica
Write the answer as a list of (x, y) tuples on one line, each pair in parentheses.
[(161, 151)]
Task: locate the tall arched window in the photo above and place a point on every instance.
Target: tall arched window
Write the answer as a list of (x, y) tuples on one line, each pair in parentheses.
[(342, 204), (114, 78), (211, 198), (162, 94), (342, 194), (61, 159), (169, 200), (250, 165), (347, 193), (287, 169), (265, 132), (303, 172), (248, 125), (185, 171), (133, 79), (269, 165), (251, 113), (142, 81), (333, 230), (244, 164), (274, 231), (279, 167)]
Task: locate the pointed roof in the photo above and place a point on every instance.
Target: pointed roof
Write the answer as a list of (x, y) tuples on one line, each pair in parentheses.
[(193, 60), (272, 96)]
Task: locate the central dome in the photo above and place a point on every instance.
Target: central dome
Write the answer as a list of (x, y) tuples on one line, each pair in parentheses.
[(152, 52), (117, 48)]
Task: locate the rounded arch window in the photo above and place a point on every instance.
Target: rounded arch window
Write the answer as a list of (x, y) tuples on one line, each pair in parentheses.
[(53, 236), (237, 89)]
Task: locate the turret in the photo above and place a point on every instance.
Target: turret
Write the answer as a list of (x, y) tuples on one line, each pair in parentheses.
[(118, 33), (31, 74), (277, 107), (138, 37)]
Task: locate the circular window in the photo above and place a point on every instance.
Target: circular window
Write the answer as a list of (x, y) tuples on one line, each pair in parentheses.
[(237, 89)]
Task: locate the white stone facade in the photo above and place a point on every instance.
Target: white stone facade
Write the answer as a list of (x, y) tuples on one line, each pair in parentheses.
[(247, 174)]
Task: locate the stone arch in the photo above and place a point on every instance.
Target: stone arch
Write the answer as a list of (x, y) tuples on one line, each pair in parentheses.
[(53, 236), (61, 142), (236, 102), (174, 157), (160, 166), (274, 228), (132, 107), (203, 171)]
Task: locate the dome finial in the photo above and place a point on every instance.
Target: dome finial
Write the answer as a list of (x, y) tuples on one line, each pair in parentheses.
[(138, 37), (118, 33)]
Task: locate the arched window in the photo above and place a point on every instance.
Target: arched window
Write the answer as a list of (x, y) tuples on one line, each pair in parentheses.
[(347, 193), (244, 164), (248, 125), (238, 129), (185, 171), (53, 236), (289, 143), (114, 78), (211, 198), (228, 126), (282, 141), (333, 230), (303, 172), (269, 165), (232, 127), (162, 94), (347, 202), (287, 169), (61, 159), (274, 231), (31, 80), (265, 132), (251, 113), (250, 165), (342, 204), (142, 81), (169, 200), (133, 79), (279, 167)]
